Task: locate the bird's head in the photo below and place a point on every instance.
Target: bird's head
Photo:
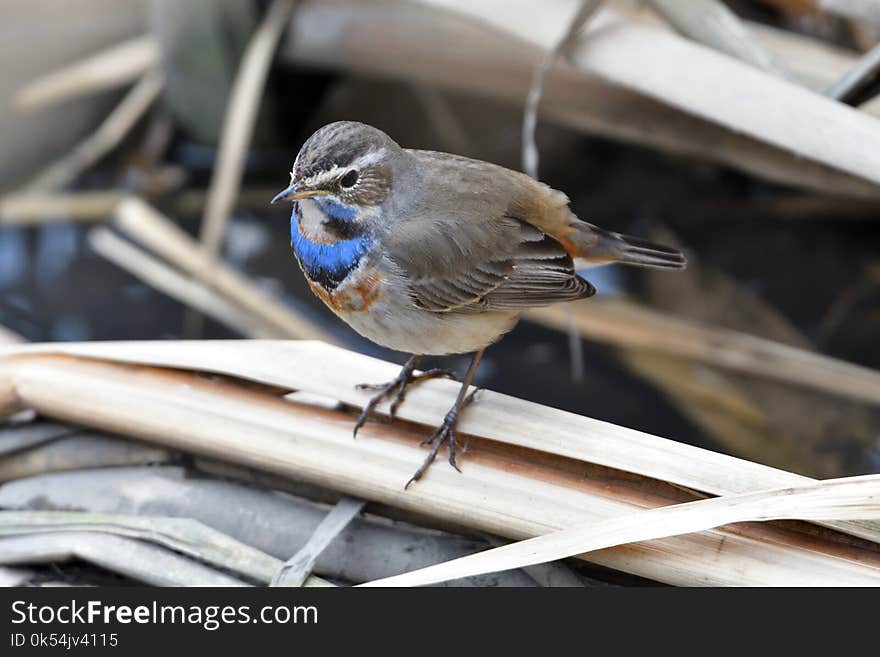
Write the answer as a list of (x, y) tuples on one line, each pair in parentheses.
[(346, 164)]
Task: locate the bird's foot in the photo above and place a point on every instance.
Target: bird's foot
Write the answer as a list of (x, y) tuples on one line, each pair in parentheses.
[(396, 389), (445, 433)]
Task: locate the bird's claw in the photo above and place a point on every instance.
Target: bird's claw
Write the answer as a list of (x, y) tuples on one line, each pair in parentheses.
[(395, 389), (445, 433)]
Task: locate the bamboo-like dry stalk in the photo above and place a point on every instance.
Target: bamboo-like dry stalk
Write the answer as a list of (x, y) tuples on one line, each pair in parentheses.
[(29, 208), (513, 493), (334, 373), (25, 209), (113, 67), (627, 325)]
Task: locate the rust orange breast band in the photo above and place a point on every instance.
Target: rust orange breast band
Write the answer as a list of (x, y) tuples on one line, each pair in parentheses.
[(357, 294)]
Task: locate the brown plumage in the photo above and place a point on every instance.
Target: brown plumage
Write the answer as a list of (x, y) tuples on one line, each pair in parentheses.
[(489, 238), (432, 253)]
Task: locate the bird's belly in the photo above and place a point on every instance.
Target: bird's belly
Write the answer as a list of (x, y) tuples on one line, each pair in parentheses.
[(409, 329), (376, 304)]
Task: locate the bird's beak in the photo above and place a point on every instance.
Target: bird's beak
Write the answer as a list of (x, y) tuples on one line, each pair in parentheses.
[(294, 194)]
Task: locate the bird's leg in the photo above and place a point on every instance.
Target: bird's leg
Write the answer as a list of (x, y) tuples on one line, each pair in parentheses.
[(445, 433), (397, 388)]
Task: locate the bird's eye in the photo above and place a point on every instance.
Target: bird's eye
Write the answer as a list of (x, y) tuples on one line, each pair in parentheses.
[(350, 179)]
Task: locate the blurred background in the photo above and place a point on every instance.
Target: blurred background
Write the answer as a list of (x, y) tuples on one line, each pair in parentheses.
[(143, 139)]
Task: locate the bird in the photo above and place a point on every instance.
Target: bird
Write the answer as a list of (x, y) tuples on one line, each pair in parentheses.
[(433, 254)]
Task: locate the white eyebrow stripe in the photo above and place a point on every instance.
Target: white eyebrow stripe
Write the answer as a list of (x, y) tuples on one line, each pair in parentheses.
[(325, 176), (371, 157), (322, 176)]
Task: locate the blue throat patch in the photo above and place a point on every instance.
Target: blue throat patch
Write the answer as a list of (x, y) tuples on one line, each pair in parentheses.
[(328, 264), (335, 209)]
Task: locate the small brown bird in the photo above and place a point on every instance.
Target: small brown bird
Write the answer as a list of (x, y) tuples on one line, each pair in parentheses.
[(432, 253)]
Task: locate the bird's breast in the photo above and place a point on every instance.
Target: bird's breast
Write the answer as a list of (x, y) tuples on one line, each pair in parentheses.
[(327, 246), (335, 256)]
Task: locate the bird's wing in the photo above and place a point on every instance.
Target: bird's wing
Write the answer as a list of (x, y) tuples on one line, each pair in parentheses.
[(530, 270), (548, 210), (543, 273), (464, 249)]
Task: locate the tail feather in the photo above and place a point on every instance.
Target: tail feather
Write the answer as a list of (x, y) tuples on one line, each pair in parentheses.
[(598, 246), (636, 251)]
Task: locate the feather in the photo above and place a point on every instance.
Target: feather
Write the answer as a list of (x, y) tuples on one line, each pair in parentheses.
[(534, 270)]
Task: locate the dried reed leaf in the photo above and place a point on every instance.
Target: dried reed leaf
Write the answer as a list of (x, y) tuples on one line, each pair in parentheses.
[(851, 498), (27, 436), (712, 23), (254, 514), (510, 492), (616, 50), (82, 449), (628, 325), (183, 535), (113, 67), (333, 372), (136, 559), (552, 574), (112, 130), (38, 207), (296, 570), (410, 41), (847, 89)]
